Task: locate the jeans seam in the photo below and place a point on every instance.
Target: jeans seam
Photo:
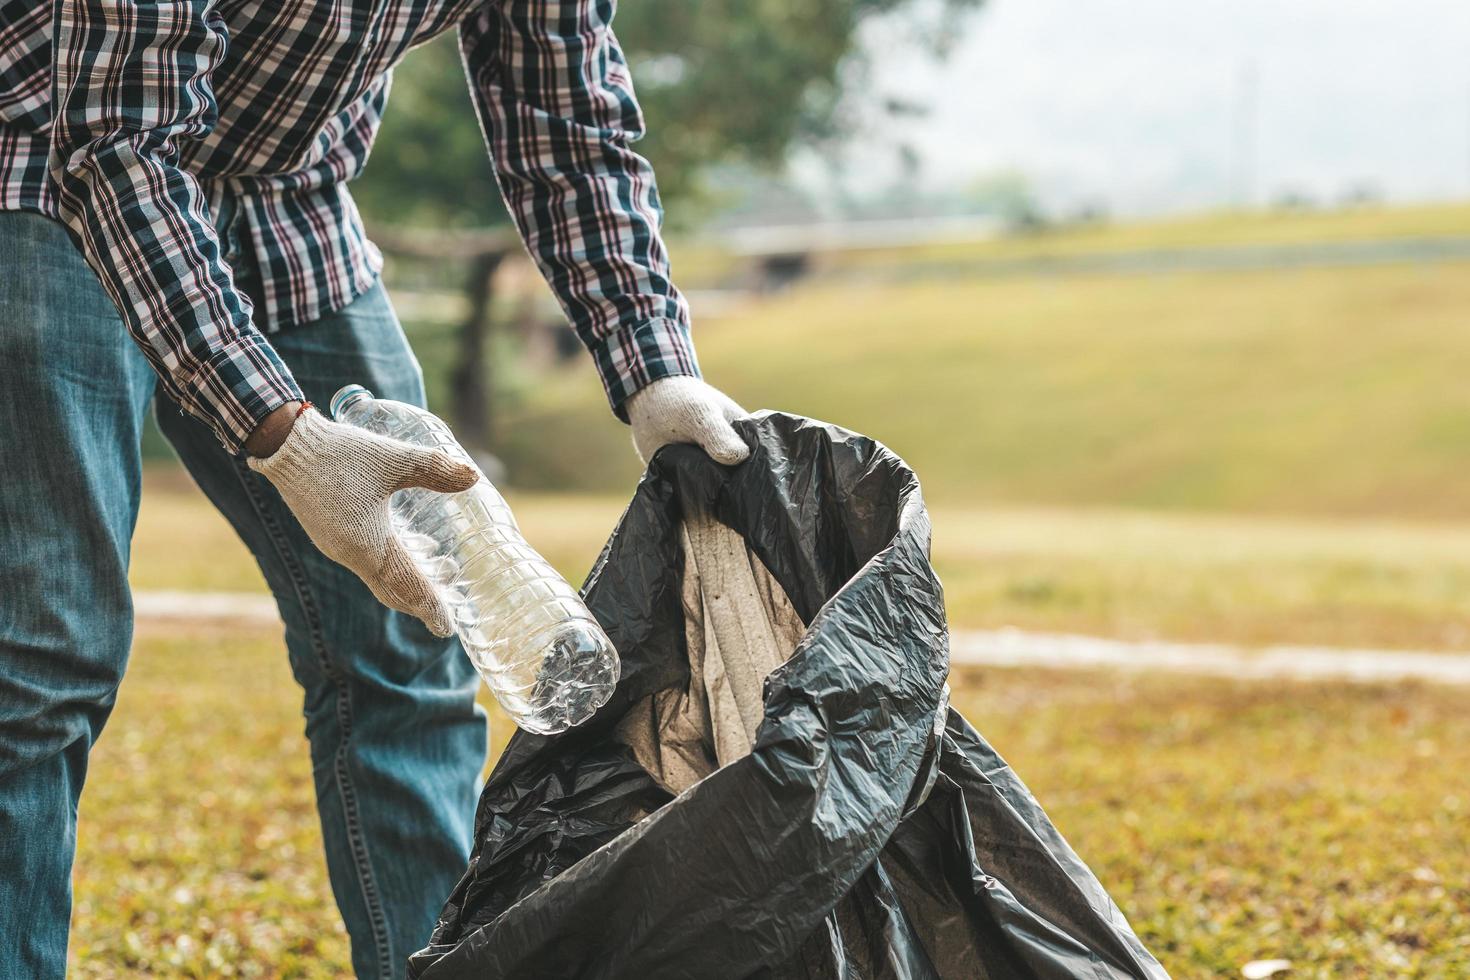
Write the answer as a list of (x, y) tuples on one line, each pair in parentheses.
[(356, 841)]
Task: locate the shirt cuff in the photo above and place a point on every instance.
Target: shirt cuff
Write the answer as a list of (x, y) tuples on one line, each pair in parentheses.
[(634, 357), (238, 386)]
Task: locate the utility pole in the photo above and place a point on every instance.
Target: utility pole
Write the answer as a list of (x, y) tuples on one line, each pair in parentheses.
[(1243, 127)]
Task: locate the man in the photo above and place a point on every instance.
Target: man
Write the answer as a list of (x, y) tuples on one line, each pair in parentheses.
[(195, 154)]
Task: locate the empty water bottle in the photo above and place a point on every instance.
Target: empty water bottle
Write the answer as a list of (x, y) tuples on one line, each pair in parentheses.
[(526, 630)]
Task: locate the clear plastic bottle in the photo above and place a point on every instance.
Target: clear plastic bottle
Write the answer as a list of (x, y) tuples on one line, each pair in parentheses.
[(527, 631)]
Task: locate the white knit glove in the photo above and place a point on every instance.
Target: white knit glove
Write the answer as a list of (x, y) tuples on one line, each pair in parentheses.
[(683, 409), (337, 479)]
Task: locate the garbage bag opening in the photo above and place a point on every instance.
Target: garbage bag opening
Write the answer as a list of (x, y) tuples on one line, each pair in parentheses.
[(739, 626), (777, 788)]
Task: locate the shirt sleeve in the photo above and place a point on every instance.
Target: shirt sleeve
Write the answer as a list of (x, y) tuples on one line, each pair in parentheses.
[(556, 104), (131, 81)]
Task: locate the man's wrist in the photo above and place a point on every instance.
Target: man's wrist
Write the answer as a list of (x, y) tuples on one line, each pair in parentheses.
[(272, 431)]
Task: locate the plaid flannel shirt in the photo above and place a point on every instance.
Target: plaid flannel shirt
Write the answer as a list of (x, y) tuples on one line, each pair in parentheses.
[(130, 121)]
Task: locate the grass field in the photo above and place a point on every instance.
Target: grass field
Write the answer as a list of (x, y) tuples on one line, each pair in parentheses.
[(1110, 572), (1230, 821), (1261, 457), (702, 264), (1308, 392)]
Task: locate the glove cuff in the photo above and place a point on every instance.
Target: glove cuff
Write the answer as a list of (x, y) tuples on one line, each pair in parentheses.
[(302, 452)]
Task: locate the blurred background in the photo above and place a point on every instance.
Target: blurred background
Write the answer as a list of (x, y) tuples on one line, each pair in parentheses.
[(1169, 307)]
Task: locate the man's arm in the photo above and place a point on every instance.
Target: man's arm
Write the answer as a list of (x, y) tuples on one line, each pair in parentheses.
[(557, 107), (132, 80)]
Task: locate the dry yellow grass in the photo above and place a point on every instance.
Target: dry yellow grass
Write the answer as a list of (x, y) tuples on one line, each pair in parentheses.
[(703, 263), (1322, 824), (1109, 572), (1069, 434)]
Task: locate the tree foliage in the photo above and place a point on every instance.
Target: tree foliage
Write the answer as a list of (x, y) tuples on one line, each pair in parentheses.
[(722, 82)]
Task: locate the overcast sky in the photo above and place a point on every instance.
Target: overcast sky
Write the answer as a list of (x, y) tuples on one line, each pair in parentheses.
[(1139, 103)]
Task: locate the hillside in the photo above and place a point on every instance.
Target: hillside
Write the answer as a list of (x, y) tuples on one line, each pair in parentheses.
[(1315, 391)]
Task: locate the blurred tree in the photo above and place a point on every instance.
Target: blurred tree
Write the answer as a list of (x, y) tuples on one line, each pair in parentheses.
[(722, 82), (428, 166), (743, 81), (1008, 195)]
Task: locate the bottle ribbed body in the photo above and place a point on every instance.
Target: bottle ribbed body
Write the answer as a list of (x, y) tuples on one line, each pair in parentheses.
[(524, 627)]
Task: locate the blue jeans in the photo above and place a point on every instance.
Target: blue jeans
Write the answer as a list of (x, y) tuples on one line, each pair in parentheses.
[(396, 739)]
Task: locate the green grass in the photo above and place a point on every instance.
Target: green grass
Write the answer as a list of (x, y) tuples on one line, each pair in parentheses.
[(1127, 574), (1318, 392), (1231, 821)]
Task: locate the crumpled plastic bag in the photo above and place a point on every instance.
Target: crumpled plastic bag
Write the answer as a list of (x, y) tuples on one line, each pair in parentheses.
[(778, 788)]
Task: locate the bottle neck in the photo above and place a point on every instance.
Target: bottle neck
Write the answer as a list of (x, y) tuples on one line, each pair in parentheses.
[(349, 399)]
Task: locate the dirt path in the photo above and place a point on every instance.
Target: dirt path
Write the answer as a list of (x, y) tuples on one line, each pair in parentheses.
[(1015, 648), (1011, 648)]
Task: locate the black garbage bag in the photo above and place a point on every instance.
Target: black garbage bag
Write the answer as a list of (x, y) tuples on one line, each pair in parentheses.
[(777, 788)]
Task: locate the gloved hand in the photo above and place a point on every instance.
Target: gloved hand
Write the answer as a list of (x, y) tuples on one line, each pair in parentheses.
[(683, 409), (337, 479)]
